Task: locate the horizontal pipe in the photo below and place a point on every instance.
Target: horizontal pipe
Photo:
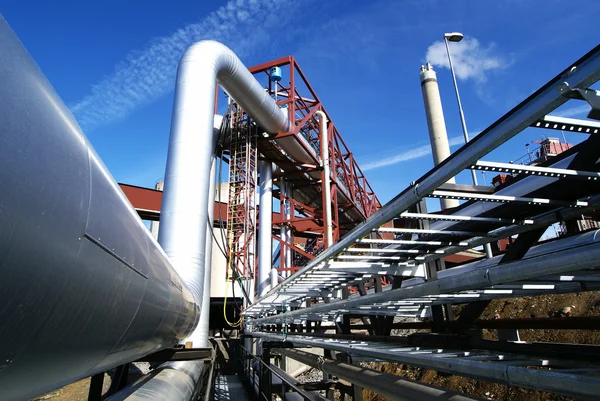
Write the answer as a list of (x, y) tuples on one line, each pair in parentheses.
[(173, 381), (390, 386), (460, 363), (572, 323), (84, 287)]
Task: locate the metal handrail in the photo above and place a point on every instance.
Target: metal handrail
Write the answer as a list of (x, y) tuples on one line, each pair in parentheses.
[(248, 373)]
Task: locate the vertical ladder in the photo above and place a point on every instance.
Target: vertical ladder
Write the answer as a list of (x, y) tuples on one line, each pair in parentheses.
[(241, 215)]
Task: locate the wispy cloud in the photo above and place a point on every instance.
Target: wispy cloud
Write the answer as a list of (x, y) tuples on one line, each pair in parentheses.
[(412, 154), (147, 74), (580, 110), (470, 59)]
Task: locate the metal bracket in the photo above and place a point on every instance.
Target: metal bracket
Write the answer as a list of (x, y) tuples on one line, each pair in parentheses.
[(589, 95)]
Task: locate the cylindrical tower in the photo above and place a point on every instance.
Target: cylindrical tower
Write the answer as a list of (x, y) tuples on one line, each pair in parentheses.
[(436, 124)]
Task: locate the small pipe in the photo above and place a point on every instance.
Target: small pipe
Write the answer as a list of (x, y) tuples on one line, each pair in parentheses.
[(274, 276), (391, 386), (300, 371), (203, 323), (210, 382), (326, 177), (286, 236), (265, 243)]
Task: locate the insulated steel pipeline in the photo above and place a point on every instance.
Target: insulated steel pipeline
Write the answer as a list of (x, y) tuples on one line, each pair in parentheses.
[(189, 188), (84, 285), (184, 210)]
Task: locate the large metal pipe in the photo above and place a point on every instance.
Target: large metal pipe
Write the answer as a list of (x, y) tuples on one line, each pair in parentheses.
[(265, 243), (440, 148), (85, 287), (184, 209), (390, 386), (172, 381), (326, 178)]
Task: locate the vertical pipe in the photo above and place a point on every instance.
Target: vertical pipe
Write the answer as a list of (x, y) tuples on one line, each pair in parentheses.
[(284, 229), (192, 146), (203, 324), (288, 229), (274, 278), (265, 207), (438, 136), (326, 178), (155, 225)]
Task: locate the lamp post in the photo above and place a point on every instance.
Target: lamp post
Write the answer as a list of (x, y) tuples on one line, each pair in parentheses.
[(457, 37)]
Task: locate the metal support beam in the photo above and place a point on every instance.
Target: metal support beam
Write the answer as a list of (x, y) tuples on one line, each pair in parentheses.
[(512, 369), (568, 124), (265, 374), (391, 386), (535, 170), (96, 385), (506, 199)]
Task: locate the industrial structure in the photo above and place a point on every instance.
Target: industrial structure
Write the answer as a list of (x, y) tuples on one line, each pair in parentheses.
[(292, 250)]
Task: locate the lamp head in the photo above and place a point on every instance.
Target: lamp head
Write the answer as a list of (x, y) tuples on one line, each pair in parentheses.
[(453, 36)]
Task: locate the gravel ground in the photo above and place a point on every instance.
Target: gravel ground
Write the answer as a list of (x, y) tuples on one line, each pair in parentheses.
[(312, 375)]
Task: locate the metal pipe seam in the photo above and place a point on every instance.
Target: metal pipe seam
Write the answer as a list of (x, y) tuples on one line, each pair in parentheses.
[(388, 385), (191, 148)]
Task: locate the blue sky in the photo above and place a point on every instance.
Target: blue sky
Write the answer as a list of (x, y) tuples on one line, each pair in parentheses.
[(114, 62)]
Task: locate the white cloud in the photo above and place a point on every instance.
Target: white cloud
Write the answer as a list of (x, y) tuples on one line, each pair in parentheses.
[(146, 74), (414, 153), (470, 59), (580, 110)]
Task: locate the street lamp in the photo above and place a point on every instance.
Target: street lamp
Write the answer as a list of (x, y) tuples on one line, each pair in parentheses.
[(457, 37)]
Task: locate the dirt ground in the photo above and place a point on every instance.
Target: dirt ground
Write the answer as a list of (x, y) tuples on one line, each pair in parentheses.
[(77, 391), (586, 304)]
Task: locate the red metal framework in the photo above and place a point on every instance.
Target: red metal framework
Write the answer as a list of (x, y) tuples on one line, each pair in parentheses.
[(299, 165), (300, 230), (302, 102)]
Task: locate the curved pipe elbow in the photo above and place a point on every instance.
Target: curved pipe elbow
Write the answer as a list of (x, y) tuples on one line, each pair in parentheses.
[(192, 145)]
